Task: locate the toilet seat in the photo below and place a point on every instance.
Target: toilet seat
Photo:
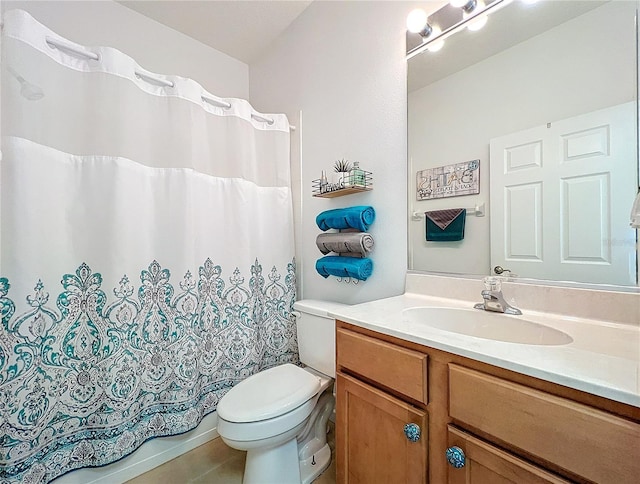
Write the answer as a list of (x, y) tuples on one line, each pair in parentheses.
[(269, 394), (256, 432), (269, 403)]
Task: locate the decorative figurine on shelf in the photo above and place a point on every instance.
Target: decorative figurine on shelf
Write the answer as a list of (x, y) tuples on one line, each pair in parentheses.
[(323, 183), (357, 176), (342, 169)]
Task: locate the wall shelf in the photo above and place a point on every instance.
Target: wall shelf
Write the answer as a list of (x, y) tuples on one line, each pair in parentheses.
[(333, 190), (342, 191)]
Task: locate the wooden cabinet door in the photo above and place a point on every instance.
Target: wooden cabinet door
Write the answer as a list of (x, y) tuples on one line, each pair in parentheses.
[(584, 441), (486, 464), (371, 445)]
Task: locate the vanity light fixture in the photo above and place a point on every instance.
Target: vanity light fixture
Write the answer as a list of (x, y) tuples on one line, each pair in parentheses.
[(428, 32), (417, 23), (459, 3), (417, 20), (467, 6), (478, 21), (436, 45)]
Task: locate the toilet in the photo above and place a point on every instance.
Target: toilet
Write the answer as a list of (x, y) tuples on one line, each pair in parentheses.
[(279, 415)]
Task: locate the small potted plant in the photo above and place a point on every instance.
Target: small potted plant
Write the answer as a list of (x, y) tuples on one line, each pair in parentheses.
[(342, 169)]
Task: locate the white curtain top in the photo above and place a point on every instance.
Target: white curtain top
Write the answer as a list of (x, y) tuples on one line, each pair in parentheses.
[(99, 101), (22, 26)]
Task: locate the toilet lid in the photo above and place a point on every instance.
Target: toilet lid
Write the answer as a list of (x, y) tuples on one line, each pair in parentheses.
[(268, 394)]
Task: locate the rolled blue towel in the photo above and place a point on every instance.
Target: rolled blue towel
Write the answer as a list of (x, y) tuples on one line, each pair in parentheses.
[(333, 265), (359, 217)]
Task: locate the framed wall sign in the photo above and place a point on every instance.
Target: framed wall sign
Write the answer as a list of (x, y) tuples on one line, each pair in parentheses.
[(448, 181)]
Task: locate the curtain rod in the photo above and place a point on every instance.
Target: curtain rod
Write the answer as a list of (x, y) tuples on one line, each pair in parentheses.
[(257, 117), (153, 79), (55, 43), (58, 44), (227, 105)]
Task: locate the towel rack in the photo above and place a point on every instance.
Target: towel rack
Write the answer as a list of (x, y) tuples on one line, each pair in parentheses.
[(477, 211), (348, 280)]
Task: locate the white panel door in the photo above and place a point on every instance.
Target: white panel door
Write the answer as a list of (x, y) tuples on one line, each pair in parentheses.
[(560, 198)]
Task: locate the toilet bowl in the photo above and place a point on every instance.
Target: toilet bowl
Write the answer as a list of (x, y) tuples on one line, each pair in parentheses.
[(279, 415)]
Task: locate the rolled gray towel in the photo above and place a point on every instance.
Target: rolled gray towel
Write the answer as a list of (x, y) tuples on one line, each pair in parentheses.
[(354, 242)]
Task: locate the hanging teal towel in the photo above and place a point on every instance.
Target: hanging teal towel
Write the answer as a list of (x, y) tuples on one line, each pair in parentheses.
[(445, 225), (359, 217), (333, 265)]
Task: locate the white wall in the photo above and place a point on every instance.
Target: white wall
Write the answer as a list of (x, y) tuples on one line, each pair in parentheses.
[(546, 78), (342, 64), (154, 46)]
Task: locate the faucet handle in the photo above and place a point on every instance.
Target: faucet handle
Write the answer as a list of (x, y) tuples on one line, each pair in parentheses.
[(492, 283)]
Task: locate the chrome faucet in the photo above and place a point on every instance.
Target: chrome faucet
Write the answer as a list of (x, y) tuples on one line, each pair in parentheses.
[(493, 298)]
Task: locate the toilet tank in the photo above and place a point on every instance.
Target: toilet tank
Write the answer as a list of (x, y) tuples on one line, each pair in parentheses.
[(317, 334)]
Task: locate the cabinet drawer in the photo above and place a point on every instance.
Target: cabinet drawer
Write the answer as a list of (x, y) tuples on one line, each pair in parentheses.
[(394, 367), (583, 440), (488, 464)]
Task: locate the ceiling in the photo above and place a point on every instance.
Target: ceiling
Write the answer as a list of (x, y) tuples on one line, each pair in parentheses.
[(243, 29)]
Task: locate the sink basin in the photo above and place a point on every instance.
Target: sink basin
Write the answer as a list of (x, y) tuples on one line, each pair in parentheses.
[(486, 325)]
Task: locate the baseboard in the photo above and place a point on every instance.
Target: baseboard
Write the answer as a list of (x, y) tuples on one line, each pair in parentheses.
[(150, 455)]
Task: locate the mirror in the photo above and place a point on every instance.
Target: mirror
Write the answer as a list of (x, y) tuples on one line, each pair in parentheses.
[(544, 96)]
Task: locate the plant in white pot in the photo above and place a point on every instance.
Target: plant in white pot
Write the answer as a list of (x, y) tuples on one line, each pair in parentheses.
[(341, 170)]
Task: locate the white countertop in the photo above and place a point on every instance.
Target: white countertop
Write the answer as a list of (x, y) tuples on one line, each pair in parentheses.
[(603, 358)]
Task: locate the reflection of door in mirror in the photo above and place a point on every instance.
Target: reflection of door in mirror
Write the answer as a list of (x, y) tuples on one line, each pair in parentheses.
[(580, 60), (554, 214)]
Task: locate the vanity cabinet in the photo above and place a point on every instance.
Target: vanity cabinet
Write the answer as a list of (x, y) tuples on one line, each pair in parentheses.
[(499, 426), (380, 436)]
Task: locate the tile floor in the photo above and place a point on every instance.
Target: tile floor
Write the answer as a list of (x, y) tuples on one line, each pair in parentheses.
[(216, 463)]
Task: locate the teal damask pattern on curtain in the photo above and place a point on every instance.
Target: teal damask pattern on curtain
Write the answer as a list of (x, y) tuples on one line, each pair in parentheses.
[(121, 171), (85, 380)]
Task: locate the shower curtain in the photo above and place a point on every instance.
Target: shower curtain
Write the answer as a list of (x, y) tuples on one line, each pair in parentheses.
[(146, 255)]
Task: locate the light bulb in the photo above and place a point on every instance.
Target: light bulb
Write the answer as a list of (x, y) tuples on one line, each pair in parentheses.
[(478, 22), (458, 3), (435, 46), (438, 44), (416, 20)]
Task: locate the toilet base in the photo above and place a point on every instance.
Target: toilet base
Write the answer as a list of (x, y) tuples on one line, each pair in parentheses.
[(273, 465), (315, 465), (313, 451)]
